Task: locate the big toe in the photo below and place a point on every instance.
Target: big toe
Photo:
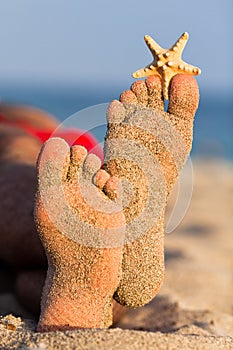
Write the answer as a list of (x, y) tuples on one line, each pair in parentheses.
[(183, 96), (53, 160)]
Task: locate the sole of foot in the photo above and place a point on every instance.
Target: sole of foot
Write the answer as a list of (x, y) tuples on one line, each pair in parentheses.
[(146, 148), (81, 225)]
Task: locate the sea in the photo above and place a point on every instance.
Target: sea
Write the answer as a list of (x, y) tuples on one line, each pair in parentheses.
[(213, 122)]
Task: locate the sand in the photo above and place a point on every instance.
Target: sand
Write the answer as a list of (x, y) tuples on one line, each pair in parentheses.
[(193, 309)]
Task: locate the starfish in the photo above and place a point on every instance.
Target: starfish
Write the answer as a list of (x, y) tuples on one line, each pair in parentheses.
[(167, 62)]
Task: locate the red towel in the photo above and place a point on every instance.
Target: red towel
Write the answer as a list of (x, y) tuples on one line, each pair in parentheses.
[(71, 136)]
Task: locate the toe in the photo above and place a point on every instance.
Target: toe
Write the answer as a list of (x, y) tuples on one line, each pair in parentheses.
[(155, 98), (90, 166), (100, 178), (140, 90), (183, 96), (53, 161), (128, 97), (112, 187), (77, 156), (116, 112)]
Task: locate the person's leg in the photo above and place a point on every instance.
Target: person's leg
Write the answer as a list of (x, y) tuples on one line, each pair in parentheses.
[(19, 242)]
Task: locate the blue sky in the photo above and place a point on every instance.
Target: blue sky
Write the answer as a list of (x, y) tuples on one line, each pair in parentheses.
[(72, 41)]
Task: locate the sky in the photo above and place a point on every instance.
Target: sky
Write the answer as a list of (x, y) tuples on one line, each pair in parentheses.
[(75, 41)]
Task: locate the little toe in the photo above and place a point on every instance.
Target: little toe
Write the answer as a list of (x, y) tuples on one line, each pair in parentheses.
[(155, 98), (139, 88), (53, 161), (183, 96), (112, 188), (116, 112), (128, 97), (90, 166), (100, 178), (77, 156)]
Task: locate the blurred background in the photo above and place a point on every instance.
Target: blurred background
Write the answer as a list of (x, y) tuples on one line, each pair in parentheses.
[(63, 56)]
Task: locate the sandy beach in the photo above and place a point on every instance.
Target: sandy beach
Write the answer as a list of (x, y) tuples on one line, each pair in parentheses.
[(193, 309)]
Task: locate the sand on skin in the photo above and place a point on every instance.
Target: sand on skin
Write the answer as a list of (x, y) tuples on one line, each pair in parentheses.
[(193, 308)]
